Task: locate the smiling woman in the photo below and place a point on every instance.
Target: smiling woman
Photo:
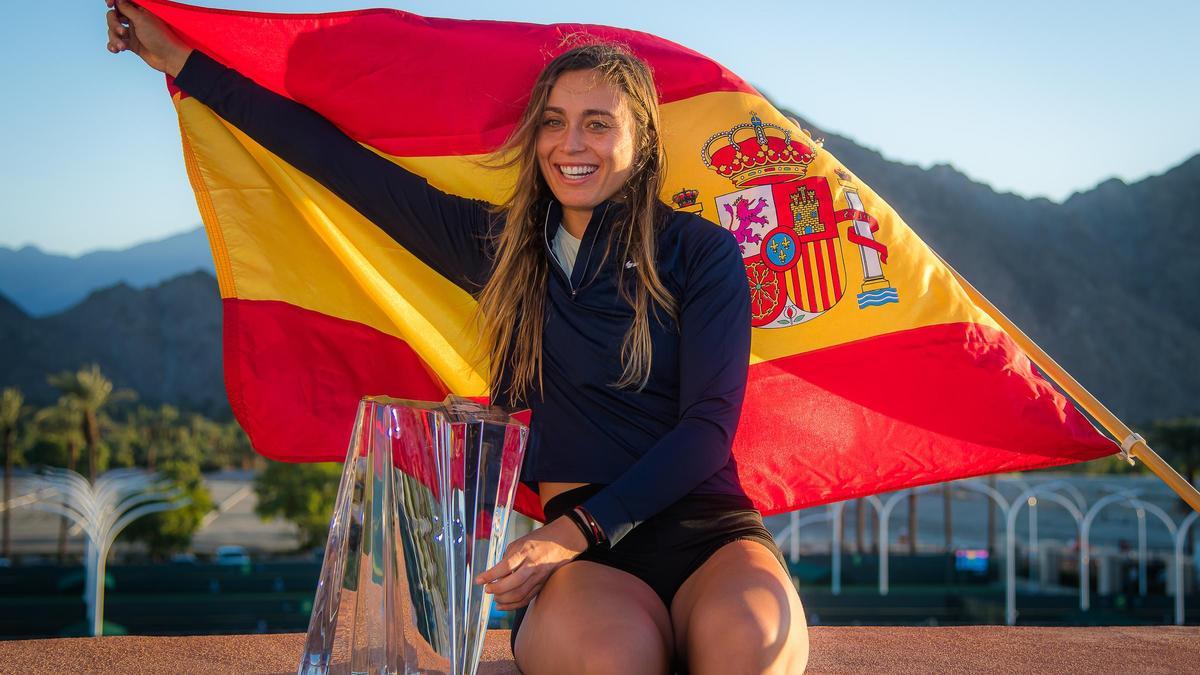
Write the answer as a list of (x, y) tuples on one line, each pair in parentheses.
[(585, 145), (673, 545), (634, 364)]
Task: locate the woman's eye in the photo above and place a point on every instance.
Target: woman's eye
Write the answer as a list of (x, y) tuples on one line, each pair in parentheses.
[(597, 124), (551, 122)]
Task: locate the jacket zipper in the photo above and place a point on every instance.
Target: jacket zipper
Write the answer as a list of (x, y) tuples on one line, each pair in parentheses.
[(557, 265)]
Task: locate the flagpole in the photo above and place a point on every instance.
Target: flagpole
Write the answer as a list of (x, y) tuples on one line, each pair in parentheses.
[(1130, 442)]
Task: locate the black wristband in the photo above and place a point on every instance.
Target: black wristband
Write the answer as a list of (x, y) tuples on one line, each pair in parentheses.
[(587, 535), (594, 532)]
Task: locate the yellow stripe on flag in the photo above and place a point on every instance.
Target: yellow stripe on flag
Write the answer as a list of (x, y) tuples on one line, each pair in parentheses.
[(289, 239)]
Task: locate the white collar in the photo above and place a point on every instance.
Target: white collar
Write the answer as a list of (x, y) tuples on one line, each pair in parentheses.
[(564, 231)]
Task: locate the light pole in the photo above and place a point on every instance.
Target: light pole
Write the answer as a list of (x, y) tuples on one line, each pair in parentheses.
[(1180, 537)]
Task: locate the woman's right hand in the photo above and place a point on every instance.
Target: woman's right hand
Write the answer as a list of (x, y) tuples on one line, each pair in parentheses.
[(529, 561), (146, 36)]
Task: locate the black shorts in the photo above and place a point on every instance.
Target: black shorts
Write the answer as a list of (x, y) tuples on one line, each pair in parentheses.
[(665, 549)]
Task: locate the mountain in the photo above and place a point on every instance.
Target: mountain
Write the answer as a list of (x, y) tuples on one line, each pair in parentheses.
[(164, 342), (44, 283), (1146, 231), (10, 314)]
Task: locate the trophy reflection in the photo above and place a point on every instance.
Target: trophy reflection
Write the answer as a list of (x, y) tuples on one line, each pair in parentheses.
[(423, 505)]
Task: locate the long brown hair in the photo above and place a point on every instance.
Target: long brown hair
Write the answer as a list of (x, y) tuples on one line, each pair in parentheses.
[(511, 305)]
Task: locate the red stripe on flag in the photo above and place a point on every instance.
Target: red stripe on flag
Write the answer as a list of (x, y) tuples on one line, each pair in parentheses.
[(901, 410), (295, 377), (813, 305), (819, 259), (346, 66), (835, 273)]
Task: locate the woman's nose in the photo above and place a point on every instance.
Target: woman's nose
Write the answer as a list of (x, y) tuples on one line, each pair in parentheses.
[(575, 139)]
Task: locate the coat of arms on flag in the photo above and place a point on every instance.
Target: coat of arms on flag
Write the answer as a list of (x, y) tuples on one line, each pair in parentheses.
[(787, 227)]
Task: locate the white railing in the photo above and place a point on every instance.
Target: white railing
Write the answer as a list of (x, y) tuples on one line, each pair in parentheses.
[(1058, 491)]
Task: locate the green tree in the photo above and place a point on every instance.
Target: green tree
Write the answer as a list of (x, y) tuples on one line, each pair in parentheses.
[(123, 441), (54, 440), (155, 428), (166, 532), (208, 437), (59, 431), (233, 448), (12, 410), (1178, 440), (300, 493), (91, 392)]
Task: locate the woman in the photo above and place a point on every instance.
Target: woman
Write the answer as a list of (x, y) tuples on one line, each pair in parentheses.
[(622, 324)]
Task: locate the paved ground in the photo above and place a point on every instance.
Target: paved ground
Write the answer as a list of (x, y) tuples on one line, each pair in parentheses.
[(972, 649)]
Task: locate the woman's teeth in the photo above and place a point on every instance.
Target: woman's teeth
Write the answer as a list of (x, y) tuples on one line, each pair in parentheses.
[(578, 172)]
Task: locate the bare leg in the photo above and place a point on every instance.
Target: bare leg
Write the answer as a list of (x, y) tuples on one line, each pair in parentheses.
[(593, 619), (739, 612)]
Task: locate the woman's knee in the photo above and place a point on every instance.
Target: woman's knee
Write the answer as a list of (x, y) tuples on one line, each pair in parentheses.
[(590, 620), (632, 645), (760, 629), (582, 640), (745, 641)]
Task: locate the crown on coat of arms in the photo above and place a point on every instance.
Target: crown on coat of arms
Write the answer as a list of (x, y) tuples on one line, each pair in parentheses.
[(771, 155), (685, 198)]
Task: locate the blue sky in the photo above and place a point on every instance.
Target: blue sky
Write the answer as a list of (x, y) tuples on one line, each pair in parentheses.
[(1037, 98)]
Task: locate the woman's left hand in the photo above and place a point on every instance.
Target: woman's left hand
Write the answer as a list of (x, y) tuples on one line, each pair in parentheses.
[(529, 561)]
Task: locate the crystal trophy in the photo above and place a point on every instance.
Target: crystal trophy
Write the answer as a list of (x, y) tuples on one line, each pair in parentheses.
[(423, 505)]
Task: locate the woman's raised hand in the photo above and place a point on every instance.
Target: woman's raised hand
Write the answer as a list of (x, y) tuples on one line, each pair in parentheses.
[(134, 29)]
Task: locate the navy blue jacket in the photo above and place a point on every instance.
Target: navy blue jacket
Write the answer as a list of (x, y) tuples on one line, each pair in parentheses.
[(648, 447)]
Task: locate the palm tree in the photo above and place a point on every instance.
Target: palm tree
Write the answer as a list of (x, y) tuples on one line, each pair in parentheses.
[(90, 391), (11, 408), (240, 452), (62, 422), (158, 426)]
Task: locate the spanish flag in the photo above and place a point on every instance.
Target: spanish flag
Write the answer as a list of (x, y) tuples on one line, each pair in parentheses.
[(871, 368)]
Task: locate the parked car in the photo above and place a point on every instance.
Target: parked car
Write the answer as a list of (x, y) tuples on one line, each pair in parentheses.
[(232, 555)]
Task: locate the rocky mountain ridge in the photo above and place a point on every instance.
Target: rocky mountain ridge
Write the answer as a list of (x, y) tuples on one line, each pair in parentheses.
[(45, 283)]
